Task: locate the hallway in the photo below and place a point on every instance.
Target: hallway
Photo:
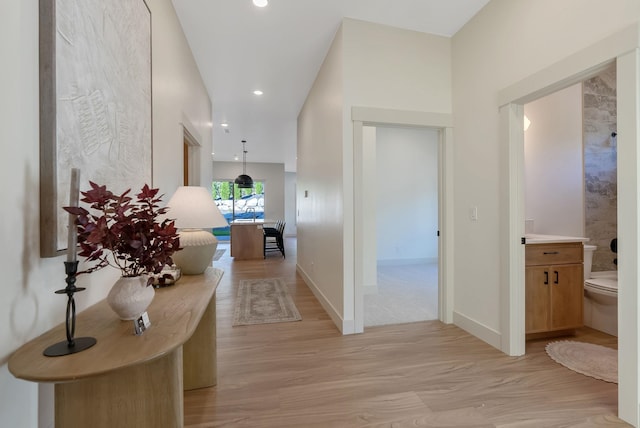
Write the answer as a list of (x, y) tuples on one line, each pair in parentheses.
[(306, 374)]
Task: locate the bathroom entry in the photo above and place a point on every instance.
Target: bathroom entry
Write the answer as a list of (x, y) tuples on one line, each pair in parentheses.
[(570, 147), (402, 281)]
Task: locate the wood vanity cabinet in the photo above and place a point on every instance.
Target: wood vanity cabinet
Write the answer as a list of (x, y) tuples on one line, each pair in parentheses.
[(554, 282)]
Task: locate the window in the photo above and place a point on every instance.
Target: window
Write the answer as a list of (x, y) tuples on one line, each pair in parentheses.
[(235, 203)]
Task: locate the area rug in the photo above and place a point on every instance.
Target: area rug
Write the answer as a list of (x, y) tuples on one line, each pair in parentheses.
[(264, 301), (586, 358), (218, 254)]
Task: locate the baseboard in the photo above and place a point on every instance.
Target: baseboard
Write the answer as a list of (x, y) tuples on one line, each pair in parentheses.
[(477, 329), (345, 326), (406, 262)]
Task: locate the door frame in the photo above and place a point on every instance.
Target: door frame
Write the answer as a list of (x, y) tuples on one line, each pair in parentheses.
[(190, 153), (443, 123)]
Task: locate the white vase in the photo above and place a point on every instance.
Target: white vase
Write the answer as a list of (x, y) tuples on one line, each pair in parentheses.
[(130, 296)]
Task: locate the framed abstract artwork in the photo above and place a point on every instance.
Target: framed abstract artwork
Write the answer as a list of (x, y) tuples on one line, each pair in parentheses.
[(95, 103)]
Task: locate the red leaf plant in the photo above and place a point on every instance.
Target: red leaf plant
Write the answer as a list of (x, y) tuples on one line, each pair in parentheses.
[(123, 233)]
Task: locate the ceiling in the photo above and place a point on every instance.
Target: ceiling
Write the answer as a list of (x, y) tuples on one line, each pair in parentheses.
[(279, 49)]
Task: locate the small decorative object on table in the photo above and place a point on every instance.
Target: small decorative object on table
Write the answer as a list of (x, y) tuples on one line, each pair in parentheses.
[(72, 344), (169, 275), (141, 324), (128, 235)]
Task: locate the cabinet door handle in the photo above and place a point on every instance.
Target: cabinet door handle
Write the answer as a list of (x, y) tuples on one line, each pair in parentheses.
[(551, 252), (546, 277), (557, 277)]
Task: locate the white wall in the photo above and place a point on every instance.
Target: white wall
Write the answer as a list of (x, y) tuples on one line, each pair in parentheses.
[(368, 65), (396, 69), (272, 174), (554, 175), (290, 203), (319, 189), (180, 99), (29, 306), (407, 195)]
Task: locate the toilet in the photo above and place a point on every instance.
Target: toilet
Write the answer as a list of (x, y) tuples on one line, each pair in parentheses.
[(600, 296), (588, 260)]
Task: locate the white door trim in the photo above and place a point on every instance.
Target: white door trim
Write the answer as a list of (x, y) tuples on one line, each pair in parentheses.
[(512, 305)]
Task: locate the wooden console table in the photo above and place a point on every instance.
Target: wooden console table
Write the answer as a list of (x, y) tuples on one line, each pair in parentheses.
[(126, 380)]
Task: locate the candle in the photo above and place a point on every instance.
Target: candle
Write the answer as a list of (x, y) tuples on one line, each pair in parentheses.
[(74, 195)]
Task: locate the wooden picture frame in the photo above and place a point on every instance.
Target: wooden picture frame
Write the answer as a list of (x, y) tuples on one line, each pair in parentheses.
[(95, 103)]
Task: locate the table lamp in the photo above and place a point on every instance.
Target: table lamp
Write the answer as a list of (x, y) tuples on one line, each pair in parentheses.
[(193, 209)]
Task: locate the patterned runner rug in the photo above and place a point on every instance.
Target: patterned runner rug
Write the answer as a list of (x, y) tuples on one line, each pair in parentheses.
[(264, 301), (588, 359)]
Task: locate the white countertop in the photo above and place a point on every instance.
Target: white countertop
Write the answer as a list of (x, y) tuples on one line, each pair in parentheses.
[(252, 221), (534, 238)]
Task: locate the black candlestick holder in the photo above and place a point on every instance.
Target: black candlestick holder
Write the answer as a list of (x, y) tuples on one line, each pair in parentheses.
[(71, 345)]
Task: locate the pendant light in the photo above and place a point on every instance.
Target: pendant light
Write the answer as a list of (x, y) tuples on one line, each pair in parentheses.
[(243, 181)]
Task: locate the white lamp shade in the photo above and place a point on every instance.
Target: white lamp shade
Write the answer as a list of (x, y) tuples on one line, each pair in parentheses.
[(192, 207)]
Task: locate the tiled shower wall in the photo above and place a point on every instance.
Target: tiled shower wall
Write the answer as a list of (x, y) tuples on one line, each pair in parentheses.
[(600, 166)]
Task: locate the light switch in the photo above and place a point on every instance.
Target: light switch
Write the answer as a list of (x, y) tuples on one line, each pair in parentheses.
[(473, 213)]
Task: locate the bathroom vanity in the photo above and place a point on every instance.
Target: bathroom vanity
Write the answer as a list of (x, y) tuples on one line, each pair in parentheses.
[(554, 282)]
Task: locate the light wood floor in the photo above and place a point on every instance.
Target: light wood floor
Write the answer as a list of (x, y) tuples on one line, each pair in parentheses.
[(424, 374)]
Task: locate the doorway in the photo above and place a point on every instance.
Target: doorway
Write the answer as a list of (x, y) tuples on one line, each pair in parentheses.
[(362, 237), (571, 182), (190, 158), (621, 48), (401, 165)]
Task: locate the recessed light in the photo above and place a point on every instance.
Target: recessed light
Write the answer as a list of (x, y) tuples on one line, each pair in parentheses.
[(224, 125), (257, 92), (235, 157), (261, 3)]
